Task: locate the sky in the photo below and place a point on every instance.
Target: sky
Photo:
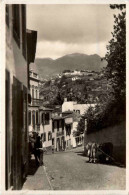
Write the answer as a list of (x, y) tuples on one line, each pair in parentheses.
[(66, 29)]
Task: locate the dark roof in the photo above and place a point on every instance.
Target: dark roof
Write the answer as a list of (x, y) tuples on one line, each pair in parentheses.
[(69, 112)]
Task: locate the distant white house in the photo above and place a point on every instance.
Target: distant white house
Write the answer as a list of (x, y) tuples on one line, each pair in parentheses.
[(75, 78), (78, 110), (75, 107), (75, 72)]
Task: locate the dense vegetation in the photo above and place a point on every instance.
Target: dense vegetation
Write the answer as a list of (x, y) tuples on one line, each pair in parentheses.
[(82, 90), (111, 111)]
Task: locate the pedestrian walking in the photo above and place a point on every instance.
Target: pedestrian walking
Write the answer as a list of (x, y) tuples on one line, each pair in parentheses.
[(40, 149), (32, 141), (93, 152)]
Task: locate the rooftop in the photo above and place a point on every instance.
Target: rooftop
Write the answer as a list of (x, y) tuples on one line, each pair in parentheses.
[(45, 109)]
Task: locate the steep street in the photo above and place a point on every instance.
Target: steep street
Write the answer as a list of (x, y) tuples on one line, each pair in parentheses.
[(70, 171)]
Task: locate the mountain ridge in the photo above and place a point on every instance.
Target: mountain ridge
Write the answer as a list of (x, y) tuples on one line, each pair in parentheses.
[(48, 67)]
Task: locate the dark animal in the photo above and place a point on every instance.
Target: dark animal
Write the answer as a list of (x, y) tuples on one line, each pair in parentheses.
[(106, 151), (99, 152)]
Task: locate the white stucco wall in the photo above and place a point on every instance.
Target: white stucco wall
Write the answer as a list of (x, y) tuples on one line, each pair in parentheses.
[(82, 107), (67, 106), (46, 129), (73, 106), (36, 87)]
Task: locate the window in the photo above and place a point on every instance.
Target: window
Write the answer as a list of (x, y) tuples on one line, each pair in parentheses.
[(60, 123), (78, 111), (36, 94), (29, 117), (44, 137), (16, 23), (68, 129), (47, 118), (55, 124), (36, 117), (42, 118), (33, 93), (33, 118), (49, 136)]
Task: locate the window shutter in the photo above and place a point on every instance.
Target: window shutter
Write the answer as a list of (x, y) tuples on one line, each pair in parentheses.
[(29, 117), (16, 23), (24, 41)]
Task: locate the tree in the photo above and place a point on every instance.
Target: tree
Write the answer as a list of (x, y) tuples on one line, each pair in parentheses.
[(58, 100), (116, 55), (112, 110)]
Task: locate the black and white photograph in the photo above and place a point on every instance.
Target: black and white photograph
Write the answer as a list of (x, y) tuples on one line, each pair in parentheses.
[(65, 97)]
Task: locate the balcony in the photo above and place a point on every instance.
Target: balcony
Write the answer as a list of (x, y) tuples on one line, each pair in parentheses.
[(36, 102), (33, 76)]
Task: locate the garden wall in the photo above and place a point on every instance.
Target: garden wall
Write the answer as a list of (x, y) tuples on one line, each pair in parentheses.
[(115, 134)]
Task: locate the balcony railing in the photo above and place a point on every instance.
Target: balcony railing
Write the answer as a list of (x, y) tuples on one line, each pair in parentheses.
[(37, 102)]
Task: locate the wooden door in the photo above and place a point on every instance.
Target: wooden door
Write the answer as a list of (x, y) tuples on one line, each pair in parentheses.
[(17, 111)]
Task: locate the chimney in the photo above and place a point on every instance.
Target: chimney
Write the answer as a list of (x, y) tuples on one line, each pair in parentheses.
[(65, 99)]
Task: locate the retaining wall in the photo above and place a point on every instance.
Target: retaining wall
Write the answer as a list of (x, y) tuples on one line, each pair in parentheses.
[(115, 134)]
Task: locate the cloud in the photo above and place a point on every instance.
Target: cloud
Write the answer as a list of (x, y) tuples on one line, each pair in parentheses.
[(58, 49), (72, 26)]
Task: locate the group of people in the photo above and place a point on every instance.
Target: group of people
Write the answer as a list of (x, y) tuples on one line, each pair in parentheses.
[(99, 152), (36, 147)]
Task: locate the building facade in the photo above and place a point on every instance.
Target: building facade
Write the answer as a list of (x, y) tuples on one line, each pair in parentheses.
[(16, 97), (45, 117), (36, 102), (16, 139), (77, 111), (75, 107), (58, 133)]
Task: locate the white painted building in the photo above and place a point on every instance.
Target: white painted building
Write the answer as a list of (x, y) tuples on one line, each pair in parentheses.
[(35, 101), (75, 107), (75, 78), (78, 110), (45, 120)]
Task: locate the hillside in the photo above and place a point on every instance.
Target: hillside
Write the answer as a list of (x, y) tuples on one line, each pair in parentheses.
[(85, 89), (48, 67)]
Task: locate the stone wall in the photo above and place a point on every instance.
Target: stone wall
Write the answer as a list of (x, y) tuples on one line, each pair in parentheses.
[(116, 135)]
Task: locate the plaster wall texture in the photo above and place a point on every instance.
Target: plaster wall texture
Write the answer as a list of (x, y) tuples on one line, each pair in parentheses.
[(116, 135)]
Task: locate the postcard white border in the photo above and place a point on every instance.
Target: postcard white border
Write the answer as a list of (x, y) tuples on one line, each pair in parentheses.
[(2, 97)]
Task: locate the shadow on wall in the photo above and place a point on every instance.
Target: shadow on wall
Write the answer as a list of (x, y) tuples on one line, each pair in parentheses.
[(116, 135)]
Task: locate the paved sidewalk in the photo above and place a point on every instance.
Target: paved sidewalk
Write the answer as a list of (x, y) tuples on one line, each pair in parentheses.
[(37, 178)]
